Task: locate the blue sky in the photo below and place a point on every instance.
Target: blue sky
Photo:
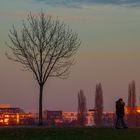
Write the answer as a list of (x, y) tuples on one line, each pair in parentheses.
[(72, 2), (109, 53)]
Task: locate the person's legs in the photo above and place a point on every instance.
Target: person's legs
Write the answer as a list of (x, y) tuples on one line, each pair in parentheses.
[(117, 123), (123, 122)]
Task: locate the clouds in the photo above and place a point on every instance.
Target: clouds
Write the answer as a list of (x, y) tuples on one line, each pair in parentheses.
[(70, 18), (77, 3)]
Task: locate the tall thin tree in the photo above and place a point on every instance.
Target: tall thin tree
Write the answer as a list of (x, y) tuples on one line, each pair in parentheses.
[(82, 108), (132, 95), (98, 105), (44, 46), (131, 117)]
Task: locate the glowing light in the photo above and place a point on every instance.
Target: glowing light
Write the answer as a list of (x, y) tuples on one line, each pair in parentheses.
[(138, 110), (17, 118), (1, 121), (7, 116), (6, 121)]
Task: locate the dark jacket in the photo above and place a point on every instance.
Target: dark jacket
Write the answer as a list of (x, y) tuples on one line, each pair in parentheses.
[(120, 108)]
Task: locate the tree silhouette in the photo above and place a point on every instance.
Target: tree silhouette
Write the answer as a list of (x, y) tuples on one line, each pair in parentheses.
[(132, 95), (44, 46), (98, 105), (82, 108), (132, 104)]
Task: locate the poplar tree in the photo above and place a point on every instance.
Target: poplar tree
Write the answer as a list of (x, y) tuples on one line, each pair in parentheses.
[(82, 108), (98, 118)]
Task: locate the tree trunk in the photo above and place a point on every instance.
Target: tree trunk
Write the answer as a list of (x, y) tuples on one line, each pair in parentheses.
[(40, 105)]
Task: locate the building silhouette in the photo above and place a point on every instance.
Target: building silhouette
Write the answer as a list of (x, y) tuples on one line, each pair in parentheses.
[(14, 116)]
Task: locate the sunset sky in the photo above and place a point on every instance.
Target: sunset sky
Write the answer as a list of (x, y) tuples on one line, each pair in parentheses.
[(109, 53)]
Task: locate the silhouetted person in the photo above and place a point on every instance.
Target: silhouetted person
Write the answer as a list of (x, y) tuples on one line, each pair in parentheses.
[(120, 114)]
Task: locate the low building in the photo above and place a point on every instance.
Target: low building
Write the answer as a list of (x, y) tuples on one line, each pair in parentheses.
[(133, 116), (71, 118), (14, 116), (53, 117), (108, 119), (59, 118), (90, 118)]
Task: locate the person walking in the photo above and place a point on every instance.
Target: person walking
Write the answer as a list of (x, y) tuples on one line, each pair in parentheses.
[(120, 113)]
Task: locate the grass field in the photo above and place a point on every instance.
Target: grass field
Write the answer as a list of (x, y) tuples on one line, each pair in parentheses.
[(69, 134)]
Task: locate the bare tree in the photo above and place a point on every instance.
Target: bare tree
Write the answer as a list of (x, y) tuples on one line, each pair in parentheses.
[(82, 108), (98, 105), (44, 46)]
